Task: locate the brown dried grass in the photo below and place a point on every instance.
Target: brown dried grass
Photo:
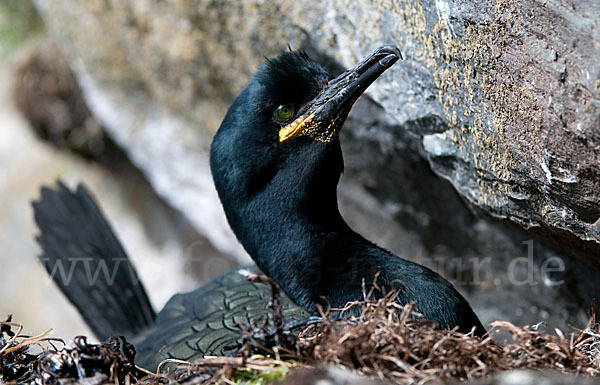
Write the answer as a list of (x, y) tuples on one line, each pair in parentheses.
[(393, 342), (382, 339)]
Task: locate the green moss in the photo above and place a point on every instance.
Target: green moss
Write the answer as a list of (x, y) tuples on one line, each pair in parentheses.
[(280, 370)]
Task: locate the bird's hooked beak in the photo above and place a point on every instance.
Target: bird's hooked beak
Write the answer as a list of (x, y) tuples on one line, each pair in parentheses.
[(323, 117)]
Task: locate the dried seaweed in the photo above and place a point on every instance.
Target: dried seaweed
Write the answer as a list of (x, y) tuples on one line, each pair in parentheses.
[(375, 337), (270, 335), (379, 338), (110, 362), (589, 340), (394, 342), (16, 363)]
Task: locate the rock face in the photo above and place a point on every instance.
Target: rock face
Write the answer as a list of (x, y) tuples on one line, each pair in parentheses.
[(500, 98)]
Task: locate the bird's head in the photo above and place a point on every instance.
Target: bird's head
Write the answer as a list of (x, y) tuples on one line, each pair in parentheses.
[(280, 138)]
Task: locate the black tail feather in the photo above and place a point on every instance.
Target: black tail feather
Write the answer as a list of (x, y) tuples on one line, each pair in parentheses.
[(84, 257)]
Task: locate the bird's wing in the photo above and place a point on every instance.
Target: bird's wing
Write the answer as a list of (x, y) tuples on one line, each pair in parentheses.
[(206, 321)]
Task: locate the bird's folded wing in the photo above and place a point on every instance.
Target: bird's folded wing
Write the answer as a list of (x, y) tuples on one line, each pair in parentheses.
[(206, 321)]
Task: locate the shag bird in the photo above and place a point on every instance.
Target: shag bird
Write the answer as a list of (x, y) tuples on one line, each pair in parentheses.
[(276, 161)]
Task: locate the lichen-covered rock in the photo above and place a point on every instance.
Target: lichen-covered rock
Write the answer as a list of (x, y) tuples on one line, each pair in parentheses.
[(516, 86), (501, 98)]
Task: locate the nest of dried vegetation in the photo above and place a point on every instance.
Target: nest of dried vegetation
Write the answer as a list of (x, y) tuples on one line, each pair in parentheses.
[(377, 338)]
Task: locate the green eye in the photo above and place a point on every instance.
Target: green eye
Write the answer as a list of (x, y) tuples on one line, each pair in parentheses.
[(284, 112)]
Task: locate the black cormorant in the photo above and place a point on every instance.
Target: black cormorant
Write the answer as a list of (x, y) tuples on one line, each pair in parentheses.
[(276, 161)]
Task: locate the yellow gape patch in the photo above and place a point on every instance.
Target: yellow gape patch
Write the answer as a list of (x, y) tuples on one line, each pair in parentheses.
[(297, 127)]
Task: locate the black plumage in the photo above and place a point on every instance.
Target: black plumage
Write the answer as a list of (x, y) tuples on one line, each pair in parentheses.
[(276, 162), (86, 260), (280, 195)]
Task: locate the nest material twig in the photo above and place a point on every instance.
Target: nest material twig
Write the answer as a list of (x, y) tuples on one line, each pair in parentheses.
[(376, 337), (16, 362), (589, 340), (379, 337), (403, 347)]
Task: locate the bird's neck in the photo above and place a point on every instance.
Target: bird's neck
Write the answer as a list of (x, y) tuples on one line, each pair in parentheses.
[(293, 229), (295, 247)]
